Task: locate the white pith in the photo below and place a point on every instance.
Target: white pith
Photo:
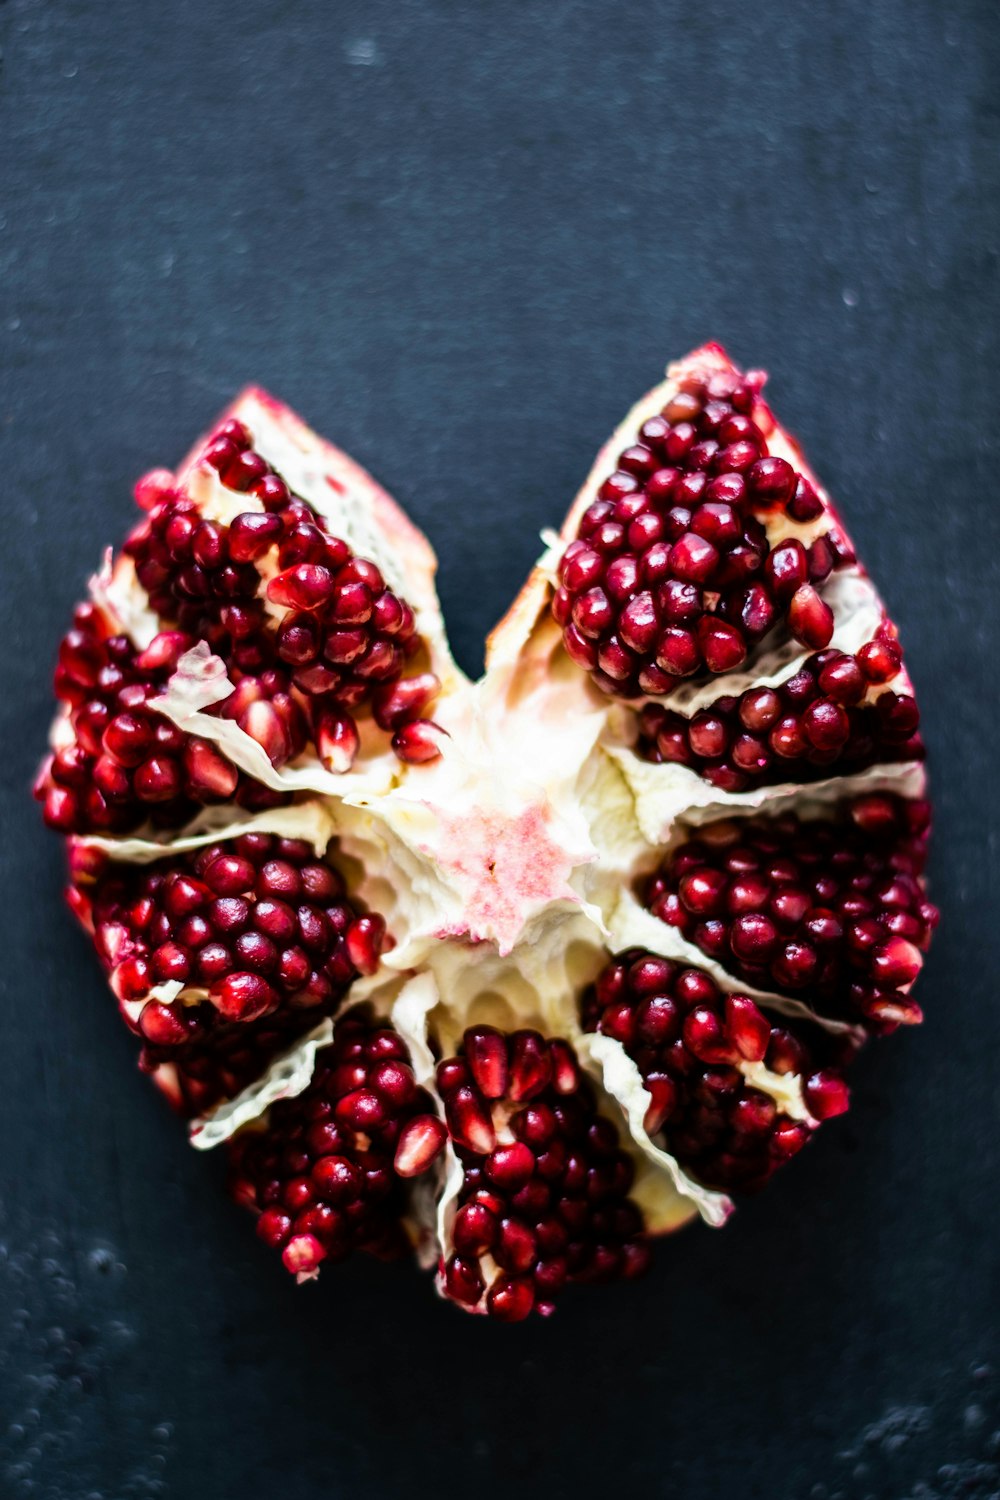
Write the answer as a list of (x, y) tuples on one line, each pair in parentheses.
[(505, 870)]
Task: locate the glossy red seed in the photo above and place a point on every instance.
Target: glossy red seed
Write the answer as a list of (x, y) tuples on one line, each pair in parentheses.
[(252, 534), (469, 1120), (475, 1229), (486, 1055), (509, 1167), (418, 741), (810, 618), (420, 1143), (243, 997), (511, 1299)]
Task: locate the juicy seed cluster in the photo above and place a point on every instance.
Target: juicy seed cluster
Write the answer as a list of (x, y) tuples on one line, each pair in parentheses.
[(257, 933), (324, 1172), (342, 638), (830, 910), (125, 764), (691, 1043), (544, 1200), (672, 573), (824, 715)]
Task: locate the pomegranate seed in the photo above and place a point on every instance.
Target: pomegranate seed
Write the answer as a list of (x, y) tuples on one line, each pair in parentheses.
[(252, 534), (896, 963), (208, 775), (420, 1143), (394, 705), (364, 941), (530, 1065), (337, 1179), (509, 1167), (748, 1028), (826, 1095), (810, 618), (511, 1300), (469, 1121), (722, 645), (464, 1281), (244, 470), (418, 741), (157, 780), (337, 740), (475, 1229), (243, 997), (486, 1054), (303, 1254)]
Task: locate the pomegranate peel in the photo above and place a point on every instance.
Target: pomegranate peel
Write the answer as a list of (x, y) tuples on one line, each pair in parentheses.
[(495, 1086)]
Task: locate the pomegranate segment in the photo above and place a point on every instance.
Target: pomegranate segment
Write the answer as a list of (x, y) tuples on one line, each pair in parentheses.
[(699, 544), (544, 1200), (222, 957), (713, 1065), (318, 1169), (305, 626), (118, 763), (832, 911), (835, 713)]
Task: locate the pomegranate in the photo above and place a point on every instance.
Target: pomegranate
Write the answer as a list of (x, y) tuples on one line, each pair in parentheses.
[(517, 973)]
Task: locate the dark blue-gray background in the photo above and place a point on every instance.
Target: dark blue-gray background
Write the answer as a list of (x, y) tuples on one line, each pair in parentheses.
[(461, 238)]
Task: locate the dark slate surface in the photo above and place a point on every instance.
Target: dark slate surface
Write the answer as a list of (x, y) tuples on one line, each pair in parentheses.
[(461, 239)]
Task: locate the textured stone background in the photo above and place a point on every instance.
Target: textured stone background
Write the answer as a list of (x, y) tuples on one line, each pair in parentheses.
[(460, 239)]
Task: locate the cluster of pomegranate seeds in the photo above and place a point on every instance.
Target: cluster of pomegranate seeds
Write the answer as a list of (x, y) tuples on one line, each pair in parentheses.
[(672, 573), (688, 1041), (251, 929), (324, 1172), (286, 604), (223, 1058), (544, 1199), (125, 764), (823, 715), (830, 910)]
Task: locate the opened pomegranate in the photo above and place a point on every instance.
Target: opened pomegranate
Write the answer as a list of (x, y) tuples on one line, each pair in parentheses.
[(517, 973)]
